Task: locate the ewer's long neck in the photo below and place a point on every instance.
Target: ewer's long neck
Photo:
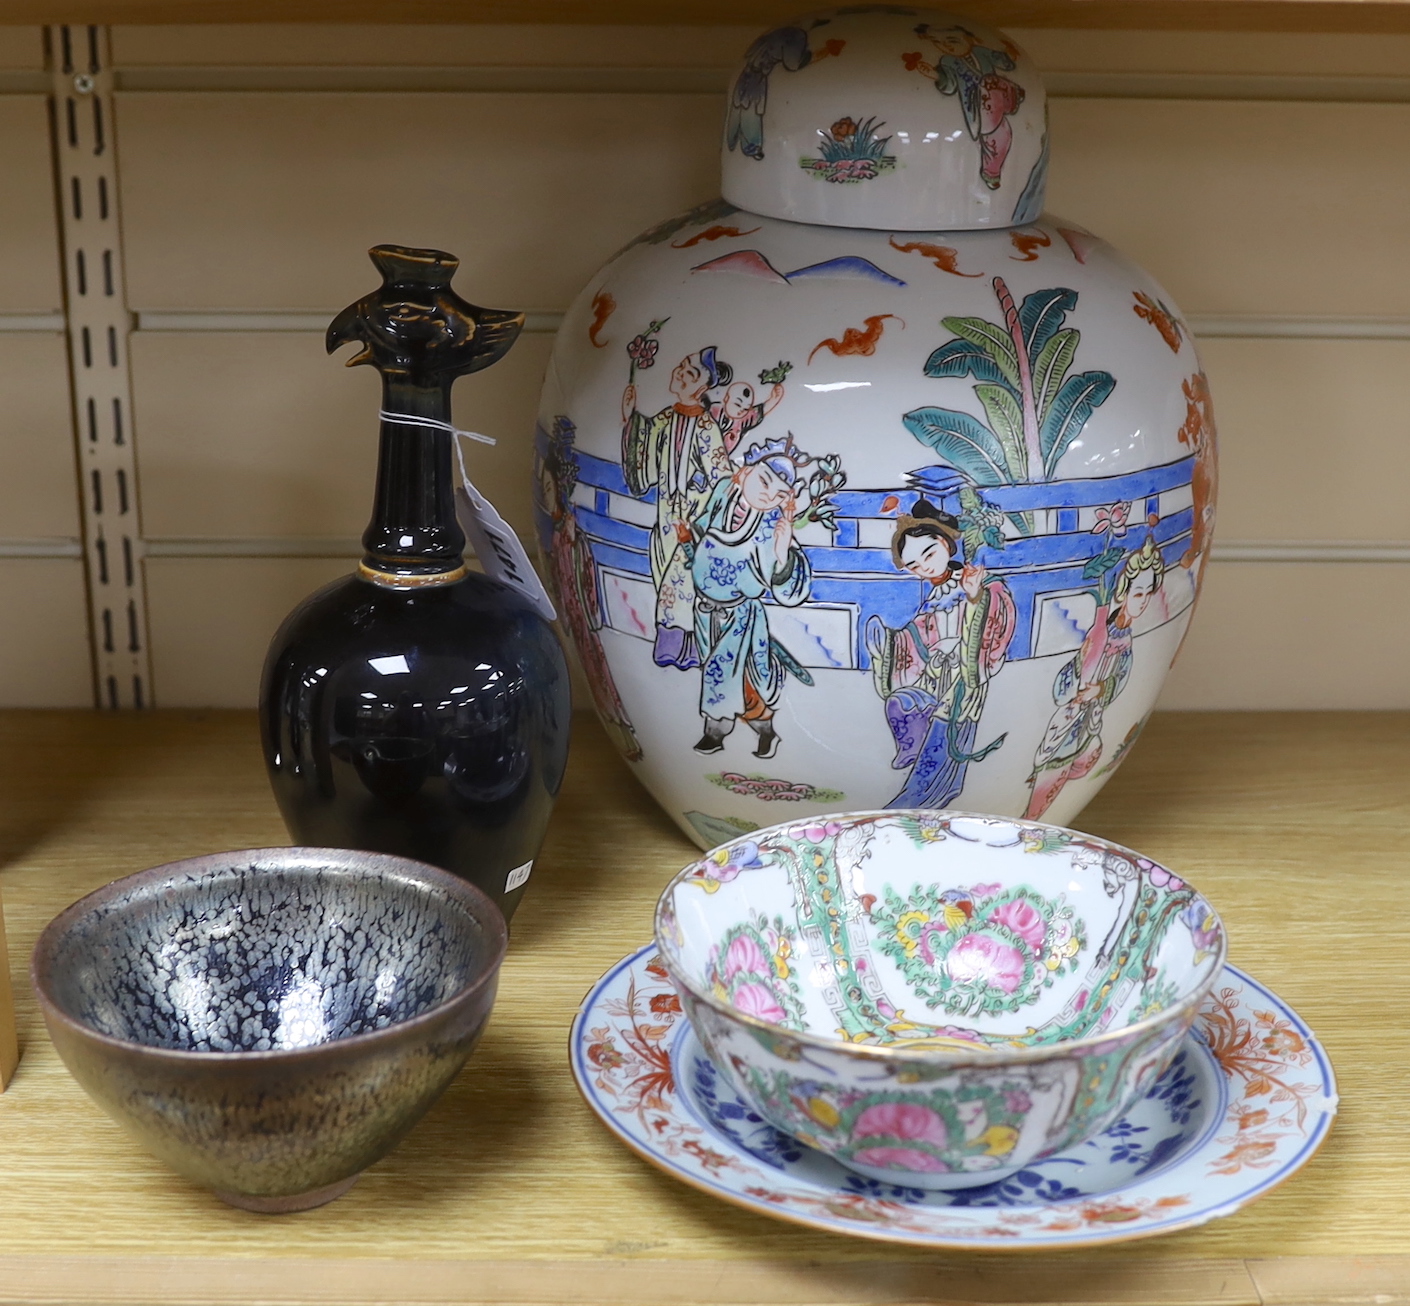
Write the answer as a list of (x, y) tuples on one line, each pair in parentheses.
[(414, 539)]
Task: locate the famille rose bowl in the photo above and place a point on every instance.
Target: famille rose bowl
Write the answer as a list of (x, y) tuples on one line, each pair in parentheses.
[(271, 1022), (937, 999)]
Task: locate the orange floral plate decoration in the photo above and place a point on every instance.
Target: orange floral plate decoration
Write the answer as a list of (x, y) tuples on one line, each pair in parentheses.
[(1245, 1104)]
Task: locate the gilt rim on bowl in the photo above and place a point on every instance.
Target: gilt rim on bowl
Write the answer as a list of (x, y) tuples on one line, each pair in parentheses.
[(1187, 1005)]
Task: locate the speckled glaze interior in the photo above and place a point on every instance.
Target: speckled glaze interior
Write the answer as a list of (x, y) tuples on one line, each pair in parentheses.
[(933, 998), (261, 959)]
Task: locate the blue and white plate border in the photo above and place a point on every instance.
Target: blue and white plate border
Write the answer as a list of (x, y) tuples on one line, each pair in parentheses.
[(622, 1049)]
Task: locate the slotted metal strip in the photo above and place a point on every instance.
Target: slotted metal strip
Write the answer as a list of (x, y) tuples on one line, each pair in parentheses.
[(98, 326)]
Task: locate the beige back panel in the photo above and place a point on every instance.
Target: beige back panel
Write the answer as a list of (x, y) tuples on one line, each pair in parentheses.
[(257, 164)]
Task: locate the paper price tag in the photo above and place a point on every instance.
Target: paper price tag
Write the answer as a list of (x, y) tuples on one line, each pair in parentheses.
[(519, 875), (495, 543)]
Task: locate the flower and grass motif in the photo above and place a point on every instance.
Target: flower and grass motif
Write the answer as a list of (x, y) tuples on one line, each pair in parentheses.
[(851, 151), (1035, 405), (628, 1059), (979, 950)]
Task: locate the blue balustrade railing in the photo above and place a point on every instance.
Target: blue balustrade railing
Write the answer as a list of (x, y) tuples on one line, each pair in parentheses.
[(864, 578)]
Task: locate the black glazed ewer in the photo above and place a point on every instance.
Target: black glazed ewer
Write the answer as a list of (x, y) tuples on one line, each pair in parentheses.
[(415, 707)]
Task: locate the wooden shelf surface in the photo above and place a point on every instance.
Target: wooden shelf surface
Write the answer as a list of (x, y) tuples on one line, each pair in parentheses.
[(511, 1191), (1207, 15)]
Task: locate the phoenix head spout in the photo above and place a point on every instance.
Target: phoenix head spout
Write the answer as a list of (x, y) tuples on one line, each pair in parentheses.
[(415, 329)]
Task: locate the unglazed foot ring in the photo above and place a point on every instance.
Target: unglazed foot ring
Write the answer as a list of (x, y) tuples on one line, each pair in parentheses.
[(293, 1201)]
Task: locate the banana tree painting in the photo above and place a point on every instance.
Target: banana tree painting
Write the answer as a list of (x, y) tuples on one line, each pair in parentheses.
[(1021, 366)]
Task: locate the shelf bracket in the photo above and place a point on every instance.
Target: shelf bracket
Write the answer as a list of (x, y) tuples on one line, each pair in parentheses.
[(98, 324)]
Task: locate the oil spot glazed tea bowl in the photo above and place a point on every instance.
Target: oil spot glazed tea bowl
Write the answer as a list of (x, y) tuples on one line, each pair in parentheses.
[(937, 999), (271, 1022)]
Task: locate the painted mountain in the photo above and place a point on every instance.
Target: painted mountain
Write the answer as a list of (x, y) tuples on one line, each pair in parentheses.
[(751, 263)]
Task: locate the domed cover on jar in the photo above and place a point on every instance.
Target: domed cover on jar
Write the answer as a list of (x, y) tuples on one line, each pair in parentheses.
[(866, 518), (889, 117)]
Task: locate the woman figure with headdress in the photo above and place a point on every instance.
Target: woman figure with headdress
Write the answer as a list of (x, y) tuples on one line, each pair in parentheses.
[(1087, 684), (934, 671), (573, 575), (745, 549), (680, 453)]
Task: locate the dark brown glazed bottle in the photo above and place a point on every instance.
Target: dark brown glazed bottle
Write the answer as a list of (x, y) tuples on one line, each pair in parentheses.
[(415, 707)]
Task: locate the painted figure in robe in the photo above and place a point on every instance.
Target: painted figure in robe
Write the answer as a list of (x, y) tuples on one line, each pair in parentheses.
[(933, 673), (680, 453), (745, 550), (749, 98), (573, 575), (1088, 683)]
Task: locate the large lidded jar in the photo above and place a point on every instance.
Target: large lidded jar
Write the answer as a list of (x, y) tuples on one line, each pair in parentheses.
[(870, 485)]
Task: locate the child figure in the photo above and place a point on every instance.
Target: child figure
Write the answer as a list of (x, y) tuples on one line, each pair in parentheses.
[(975, 74), (741, 410), (745, 549), (1088, 683)]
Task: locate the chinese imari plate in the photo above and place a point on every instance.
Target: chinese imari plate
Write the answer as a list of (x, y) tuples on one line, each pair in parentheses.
[(1248, 1099)]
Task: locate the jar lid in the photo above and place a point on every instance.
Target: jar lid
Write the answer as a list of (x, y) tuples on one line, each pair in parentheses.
[(887, 117)]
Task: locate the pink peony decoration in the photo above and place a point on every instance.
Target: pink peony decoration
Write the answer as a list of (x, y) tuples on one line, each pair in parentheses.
[(745, 957), (902, 1120), (757, 1000), (1024, 920), (978, 958)]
